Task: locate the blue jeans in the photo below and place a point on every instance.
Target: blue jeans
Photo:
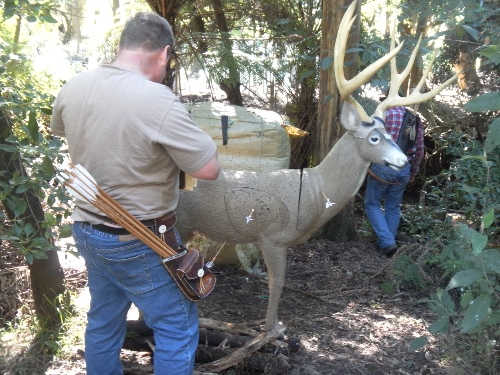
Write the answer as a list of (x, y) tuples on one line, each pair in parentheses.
[(125, 272), (385, 221)]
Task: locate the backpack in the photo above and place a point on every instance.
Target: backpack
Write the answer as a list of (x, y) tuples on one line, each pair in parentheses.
[(408, 133)]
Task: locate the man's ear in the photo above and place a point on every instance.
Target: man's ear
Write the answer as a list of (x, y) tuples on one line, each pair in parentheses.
[(165, 55)]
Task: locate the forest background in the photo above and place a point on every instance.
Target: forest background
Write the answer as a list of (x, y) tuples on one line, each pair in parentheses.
[(277, 55)]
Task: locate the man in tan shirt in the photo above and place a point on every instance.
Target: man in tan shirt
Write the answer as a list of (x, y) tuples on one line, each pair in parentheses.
[(134, 137)]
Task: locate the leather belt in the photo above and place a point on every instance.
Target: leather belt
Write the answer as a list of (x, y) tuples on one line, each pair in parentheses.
[(110, 230), (168, 219), (381, 179)]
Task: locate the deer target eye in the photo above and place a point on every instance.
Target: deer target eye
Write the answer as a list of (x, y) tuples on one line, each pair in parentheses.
[(374, 140)]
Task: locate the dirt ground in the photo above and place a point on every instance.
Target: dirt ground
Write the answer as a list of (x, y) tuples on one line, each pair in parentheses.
[(337, 315), (334, 306)]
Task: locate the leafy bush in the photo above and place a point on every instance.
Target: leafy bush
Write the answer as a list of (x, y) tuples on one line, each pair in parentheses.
[(25, 141), (468, 307)]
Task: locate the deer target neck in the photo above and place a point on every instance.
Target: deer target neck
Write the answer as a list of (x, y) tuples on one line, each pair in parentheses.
[(342, 171)]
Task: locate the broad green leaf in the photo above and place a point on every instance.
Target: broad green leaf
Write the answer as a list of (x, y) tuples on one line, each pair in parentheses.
[(16, 205), (465, 231), (10, 9), (440, 326), (351, 50), (306, 74), (486, 102), (283, 21), (474, 157), (39, 254), (494, 318), (493, 136), (491, 260), (326, 62), (479, 242), (41, 243), (9, 238), (48, 18), (65, 231), (33, 126), (29, 230), (20, 189), (446, 306), (418, 343), (492, 53), (8, 148), (476, 313), (464, 278), (50, 219), (472, 32), (466, 299), (446, 301), (47, 166), (487, 219), (29, 258)]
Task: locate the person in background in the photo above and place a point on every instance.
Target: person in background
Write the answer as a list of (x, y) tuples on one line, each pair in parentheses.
[(132, 134), (385, 186)]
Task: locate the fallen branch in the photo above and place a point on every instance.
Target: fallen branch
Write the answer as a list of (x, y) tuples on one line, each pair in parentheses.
[(216, 338), (235, 328), (241, 353)]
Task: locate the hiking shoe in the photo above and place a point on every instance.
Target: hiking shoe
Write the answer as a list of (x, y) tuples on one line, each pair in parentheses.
[(389, 250)]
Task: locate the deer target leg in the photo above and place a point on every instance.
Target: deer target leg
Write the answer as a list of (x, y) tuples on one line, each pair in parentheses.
[(275, 258)]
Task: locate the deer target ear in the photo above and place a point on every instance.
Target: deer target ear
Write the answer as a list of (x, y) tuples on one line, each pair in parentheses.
[(350, 117)]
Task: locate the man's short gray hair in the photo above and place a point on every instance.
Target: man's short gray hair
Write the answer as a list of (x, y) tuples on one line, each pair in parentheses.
[(148, 31)]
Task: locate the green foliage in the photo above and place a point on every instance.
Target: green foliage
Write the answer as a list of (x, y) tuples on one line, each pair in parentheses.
[(27, 141), (426, 222), (408, 273), (468, 306), (470, 303), (265, 43), (486, 102), (471, 184), (222, 65), (388, 287), (31, 10), (492, 53)]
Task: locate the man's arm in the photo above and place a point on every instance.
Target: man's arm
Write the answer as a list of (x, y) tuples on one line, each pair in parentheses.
[(209, 171)]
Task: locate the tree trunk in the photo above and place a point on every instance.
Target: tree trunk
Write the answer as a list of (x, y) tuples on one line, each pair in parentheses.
[(76, 11), (197, 26), (340, 228), (465, 65), (47, 277), (414, 26), (231, 83)]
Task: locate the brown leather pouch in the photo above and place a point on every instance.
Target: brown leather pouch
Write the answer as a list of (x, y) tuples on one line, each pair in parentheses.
[(190, 274), (187, 268)]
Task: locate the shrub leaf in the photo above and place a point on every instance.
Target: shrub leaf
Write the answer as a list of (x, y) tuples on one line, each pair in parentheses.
[(418, 343), (464, 278), (477, 312)]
